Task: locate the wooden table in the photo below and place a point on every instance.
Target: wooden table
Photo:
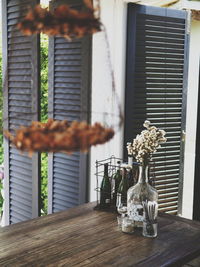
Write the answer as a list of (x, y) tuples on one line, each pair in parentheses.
[(84, 237)]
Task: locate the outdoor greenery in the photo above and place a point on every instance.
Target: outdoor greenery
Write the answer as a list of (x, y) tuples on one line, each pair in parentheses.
[(44, 117)]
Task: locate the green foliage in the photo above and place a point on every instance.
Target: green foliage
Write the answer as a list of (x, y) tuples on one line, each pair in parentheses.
[(44, 117), (44, 183), (44, 77)]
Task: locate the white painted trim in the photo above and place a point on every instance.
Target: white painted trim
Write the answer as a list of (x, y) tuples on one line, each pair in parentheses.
[(114, 17), (191, 121)]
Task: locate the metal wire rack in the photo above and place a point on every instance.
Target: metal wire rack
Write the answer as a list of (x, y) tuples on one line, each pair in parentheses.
[(112, 169)]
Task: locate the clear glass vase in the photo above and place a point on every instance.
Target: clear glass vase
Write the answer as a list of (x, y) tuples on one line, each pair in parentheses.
[(138, 194)]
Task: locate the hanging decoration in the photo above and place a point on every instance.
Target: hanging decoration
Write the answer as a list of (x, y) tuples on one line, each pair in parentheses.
[(63, 21), (62, 136), (59, 136)]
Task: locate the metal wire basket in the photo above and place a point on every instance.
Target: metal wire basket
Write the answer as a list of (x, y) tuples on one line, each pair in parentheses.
[(112, 169)]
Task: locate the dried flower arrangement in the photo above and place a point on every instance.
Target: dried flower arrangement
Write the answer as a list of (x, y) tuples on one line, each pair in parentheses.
[(145, 144), (63, 21), (59, 136)]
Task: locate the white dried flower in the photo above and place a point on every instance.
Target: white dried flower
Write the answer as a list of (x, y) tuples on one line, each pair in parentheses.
[(145, 144), (129, 148), (146, 124)]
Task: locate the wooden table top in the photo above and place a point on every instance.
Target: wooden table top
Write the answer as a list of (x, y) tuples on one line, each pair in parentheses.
[(82, 236)]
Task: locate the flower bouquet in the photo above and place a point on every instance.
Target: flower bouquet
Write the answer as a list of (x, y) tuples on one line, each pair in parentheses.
[(146, 143)]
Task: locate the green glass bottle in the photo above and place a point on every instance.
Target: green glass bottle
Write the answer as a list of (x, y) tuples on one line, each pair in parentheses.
[(117, 179), (105, 190), (123, 187)]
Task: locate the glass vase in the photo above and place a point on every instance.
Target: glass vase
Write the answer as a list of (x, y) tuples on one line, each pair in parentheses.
[(138, 194)]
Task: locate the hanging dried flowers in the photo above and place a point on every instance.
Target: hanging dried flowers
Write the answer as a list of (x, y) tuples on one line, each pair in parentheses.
[(59, 136), (63, 21)]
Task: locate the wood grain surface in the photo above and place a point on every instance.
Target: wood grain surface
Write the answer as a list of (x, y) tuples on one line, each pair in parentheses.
[(82, 236)]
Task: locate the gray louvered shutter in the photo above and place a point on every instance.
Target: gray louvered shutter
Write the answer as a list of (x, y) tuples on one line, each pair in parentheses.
[(20, 79), (69, 92), (156, 82)]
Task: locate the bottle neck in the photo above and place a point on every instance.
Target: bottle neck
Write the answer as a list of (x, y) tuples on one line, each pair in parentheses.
[(118, 168), (105, 170), (124, 174), (130, 161), (143, 174)]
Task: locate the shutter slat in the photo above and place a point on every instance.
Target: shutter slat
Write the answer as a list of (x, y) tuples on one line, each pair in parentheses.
[(16, 217), (62, 179), (159, 23), (21, 187), (73, 157), (167, 186), (63, 198), (65, 168), (160, 28), (70, 173), (17, 162), (66, 162), (163, 182), (26, 203), (18, 191), (71, 192), (60, 206), (64, 183), (167, 200)]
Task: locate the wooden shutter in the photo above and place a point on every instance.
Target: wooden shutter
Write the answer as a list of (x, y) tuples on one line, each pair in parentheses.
[(20, 80), (69, 92), (157, 51)]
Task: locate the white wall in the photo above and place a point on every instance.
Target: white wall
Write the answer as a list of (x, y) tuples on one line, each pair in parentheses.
[(192, 101), (113, 16), (190, 4)]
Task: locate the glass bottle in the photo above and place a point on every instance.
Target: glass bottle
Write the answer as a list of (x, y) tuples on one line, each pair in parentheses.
[(138, 193), (123, 188), (130, 161), (105, 189), (117, 179)]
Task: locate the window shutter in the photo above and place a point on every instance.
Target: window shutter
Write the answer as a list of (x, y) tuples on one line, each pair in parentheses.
[(156, 81), (69, 92), (20, 80)]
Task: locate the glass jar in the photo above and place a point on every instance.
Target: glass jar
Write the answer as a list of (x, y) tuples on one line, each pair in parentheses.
[(127, 226), (138, 193)]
